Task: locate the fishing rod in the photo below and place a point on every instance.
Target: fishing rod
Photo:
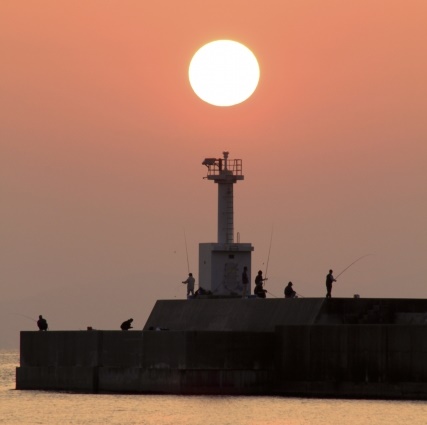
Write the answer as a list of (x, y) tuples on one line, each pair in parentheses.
[(275, 296), (186, 250), (268, 257), (188, 263), (354, 262), (23, 315)]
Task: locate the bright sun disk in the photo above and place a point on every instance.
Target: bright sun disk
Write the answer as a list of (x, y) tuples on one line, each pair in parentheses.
[(224, 73)]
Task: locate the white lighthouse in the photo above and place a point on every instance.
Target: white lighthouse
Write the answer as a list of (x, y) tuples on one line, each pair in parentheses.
[(221, 263)]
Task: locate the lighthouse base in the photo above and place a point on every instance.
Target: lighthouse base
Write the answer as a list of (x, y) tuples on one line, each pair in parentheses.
[(221, 266)]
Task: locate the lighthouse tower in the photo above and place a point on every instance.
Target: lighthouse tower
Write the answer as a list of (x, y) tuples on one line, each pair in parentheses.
[(221, 263)]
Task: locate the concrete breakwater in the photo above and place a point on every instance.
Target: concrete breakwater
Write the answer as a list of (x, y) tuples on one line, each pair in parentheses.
[(310, 347)]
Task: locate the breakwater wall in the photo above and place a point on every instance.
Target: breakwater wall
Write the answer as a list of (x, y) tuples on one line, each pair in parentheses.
[(175, 362), (335, 353)]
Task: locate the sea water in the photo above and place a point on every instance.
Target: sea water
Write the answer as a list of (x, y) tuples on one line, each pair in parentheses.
[(42, 407)]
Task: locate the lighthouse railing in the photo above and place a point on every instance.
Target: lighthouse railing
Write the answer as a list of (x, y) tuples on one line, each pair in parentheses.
[(232, 166)]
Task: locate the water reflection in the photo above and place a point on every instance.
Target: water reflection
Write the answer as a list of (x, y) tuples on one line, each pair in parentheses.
[(39, 407)]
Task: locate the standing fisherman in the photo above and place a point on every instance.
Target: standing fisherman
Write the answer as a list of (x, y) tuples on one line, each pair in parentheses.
[(329, 279), (190, 284), (245, 281)]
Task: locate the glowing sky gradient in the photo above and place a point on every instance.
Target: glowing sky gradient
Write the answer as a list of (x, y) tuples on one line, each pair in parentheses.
[(102, 140)]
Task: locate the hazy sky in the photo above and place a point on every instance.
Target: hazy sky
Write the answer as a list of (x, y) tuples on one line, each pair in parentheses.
[(102, 140)]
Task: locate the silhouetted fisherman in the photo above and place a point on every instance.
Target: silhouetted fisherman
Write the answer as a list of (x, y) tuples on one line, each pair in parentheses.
[(126, 325), (259, 279), (329, 279), (289, 292), (42, 324), (190, 284), (245, 281), (259, 291)]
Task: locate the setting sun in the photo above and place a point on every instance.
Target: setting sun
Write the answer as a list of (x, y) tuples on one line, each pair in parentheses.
[(224, 73)]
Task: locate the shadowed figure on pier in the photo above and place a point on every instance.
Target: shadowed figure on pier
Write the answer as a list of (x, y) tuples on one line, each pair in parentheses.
[(259, 291), (245, 281), (329, 279), (190, 284), (42, 324), (126, 325), (289, 292)]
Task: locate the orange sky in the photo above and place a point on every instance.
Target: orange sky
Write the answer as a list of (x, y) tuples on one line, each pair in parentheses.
[(102, 141)]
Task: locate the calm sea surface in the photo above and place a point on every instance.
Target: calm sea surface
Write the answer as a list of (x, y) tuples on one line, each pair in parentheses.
[(39, 407)]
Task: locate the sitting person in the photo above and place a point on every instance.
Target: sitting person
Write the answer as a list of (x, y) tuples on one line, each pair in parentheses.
[(259, 291), (126, 325), (289, 292), (200, 291), (42, 323)]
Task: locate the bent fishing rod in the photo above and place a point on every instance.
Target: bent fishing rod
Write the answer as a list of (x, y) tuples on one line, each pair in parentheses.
[(268, 292), (269, 250), (354, 262), (186, 250)]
